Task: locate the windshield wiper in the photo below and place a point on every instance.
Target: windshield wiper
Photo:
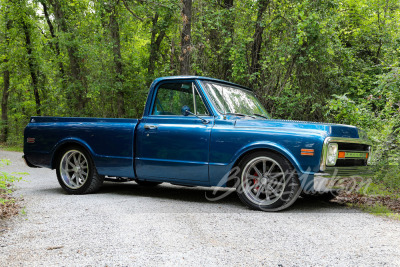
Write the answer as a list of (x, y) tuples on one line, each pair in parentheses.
[(262, 116), (235, 114), (239, 114)]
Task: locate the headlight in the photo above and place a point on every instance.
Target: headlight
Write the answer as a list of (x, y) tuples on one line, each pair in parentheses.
[(332, 154)]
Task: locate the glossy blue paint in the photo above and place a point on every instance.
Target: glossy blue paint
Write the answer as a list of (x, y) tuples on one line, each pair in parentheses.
[(109, 141), (176, 148), (230, 139)]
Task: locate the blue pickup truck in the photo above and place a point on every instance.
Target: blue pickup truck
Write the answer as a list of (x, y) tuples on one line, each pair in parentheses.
[(199, 131)]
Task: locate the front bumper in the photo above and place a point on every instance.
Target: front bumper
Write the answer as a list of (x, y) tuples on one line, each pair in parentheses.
[(335, 172), (341, 178)]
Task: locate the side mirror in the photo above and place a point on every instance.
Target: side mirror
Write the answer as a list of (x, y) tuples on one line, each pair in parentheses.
[(185, 111)]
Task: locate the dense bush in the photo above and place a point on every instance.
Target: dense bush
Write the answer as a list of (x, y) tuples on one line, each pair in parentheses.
[(378, 114)]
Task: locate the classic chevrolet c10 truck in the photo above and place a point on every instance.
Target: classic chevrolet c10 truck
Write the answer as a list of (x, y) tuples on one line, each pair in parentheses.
[(199, 131)]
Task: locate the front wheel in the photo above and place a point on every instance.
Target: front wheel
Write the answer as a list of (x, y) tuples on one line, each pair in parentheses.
[(268, 182), (76, 172)]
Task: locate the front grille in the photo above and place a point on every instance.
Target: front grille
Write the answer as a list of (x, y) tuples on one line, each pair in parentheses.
[(353, 153), (354, 147), (350, 147)]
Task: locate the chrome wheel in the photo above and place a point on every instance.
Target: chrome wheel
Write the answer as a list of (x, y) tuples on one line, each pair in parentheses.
[(263, 181), (74, 169)]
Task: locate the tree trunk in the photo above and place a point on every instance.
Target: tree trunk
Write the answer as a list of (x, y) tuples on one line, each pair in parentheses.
[(116, 44), (257, 37), (32, 65), (172, 57), (228, 24), (6, 88), (4, 104), (155, 43), (186, 37), (53, 36), (75, 77)]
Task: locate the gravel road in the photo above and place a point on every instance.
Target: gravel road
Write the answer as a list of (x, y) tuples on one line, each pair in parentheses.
[(129, 225)]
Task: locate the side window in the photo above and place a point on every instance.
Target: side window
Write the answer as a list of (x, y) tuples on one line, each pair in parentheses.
[(200, 106), (171, 97)]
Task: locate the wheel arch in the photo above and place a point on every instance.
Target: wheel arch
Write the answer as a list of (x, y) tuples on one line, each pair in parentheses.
[(67, 143), (270, 147)]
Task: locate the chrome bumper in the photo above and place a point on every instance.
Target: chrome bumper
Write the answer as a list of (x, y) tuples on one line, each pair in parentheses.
[(335, 172), (341, 178)]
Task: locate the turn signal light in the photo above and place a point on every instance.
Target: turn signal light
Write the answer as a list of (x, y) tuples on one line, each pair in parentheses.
[(307, 152)]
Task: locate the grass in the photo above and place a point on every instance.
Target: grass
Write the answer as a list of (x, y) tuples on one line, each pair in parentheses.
[(380, 210), (377, 208), (15, 148), (373, 189), (8, 205)]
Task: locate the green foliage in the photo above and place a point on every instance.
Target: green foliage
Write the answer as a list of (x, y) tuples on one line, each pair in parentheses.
[(379, 114), (381, 210), (372, 189), (6, 181), (15, 148)]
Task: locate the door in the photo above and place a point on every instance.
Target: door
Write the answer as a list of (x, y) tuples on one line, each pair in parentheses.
[(171, 145)]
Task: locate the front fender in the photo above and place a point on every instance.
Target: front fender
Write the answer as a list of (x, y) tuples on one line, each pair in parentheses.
[(270, 146)]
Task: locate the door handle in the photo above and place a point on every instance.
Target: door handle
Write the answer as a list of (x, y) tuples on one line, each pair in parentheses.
[(150, 127)]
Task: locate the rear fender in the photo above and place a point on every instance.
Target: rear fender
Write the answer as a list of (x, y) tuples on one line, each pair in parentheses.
[(70, 141)]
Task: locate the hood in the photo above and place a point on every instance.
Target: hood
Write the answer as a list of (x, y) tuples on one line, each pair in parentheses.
[(327, 129)]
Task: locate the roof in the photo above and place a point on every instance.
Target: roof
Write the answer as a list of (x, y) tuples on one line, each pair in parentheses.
[(191, 77)]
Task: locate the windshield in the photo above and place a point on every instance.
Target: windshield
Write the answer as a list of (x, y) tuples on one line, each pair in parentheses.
[(231, 99)]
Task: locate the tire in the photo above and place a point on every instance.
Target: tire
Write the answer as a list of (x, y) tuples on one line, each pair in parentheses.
[(76, 172), (147, 183), (277, 189)]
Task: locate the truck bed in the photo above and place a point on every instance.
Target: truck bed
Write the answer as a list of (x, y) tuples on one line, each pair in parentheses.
[(109, 141)]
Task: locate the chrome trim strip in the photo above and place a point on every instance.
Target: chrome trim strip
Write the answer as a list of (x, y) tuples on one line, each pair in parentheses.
[(333, 172)]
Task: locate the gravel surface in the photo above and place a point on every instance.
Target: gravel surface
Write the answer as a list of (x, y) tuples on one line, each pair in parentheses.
[(129, 225)]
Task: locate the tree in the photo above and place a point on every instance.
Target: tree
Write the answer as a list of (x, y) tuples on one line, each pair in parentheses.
[(53, 36), (24, 20), (114, 31), (76, 79), (257, 37), (186, 46), (6, 80)]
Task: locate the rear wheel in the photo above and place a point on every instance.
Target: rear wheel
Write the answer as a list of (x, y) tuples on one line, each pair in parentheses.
[(268, 182), (76, 171)]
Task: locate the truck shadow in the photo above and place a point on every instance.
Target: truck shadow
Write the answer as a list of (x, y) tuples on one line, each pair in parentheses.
[(204, 195)]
